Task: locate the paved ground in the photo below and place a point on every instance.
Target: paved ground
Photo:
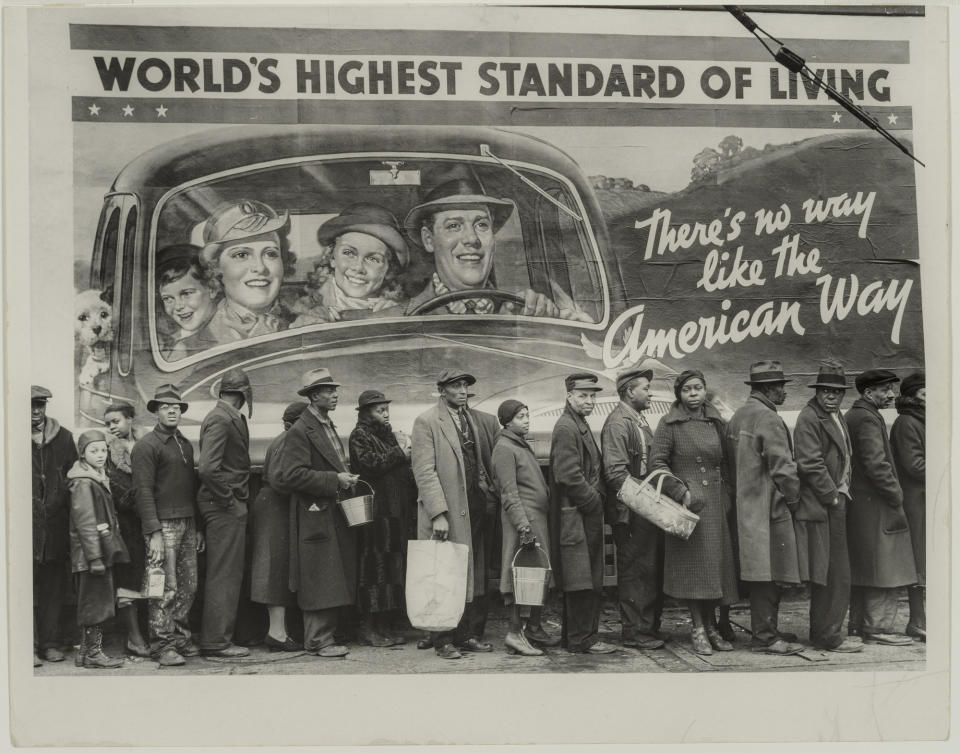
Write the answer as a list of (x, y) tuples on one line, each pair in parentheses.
[(677, 656)]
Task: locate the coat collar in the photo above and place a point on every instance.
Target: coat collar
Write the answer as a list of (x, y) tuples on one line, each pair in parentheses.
[(579, 421), (508, 436), (762, 399), (318, 437), (678, 414), (862, 404), (829, 425)]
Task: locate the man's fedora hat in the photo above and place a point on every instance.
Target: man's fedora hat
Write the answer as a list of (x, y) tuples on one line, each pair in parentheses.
[(238, 221), (874, 378), (582, 381), (169, 394), (452, 375), (39, 393), (316, 378), (371, 397), (831, 375), (767, 372), (368, 219), (236, 380), (457, 193), (628, 375)]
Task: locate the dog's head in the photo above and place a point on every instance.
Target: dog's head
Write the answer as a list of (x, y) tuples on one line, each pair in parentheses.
[(93, 318)]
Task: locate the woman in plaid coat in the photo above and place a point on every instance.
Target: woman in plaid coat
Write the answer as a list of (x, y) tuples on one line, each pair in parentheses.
[(702, 569)]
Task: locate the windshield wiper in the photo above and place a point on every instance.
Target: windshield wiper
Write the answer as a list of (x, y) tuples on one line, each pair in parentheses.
[(485, 152), (793, 62)]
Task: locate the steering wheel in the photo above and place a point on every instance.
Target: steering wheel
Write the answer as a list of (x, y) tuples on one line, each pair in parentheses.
[(494, 294)]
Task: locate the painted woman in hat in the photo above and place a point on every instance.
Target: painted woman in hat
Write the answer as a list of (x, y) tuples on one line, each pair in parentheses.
[(357, 273), (384, 463), (246, 257)]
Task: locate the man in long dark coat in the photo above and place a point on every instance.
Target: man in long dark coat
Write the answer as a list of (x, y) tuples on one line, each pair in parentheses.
[(625, 442), (224, 470), (878, 534), (53, 453), (767, 491), (823, 452), (576, 517), (313, 469)]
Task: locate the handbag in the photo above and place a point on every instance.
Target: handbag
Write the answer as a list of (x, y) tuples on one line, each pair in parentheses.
[(436, 586), (648, 501)]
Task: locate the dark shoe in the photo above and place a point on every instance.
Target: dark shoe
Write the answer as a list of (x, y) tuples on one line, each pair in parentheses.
[(540, 637), (726, 631), (397, 639), (517, 644), (847, 647), (717, 641), (367, 636), (888, 639), (600, 648), (643, 642), (448, 651), (36, 660), (425, 643), (134, 650), (788, 637), (52, 654), (917, 633), (189, 649), (229, 652), (93, 657), (288, 644), (780, 647), (171, 658), (701, 644), (476, 646), (333, 651)]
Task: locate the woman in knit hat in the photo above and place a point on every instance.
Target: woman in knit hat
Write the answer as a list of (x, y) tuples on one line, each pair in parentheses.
[(525, 499)]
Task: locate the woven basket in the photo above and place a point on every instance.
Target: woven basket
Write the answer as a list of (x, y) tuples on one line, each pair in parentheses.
[(650, 504)]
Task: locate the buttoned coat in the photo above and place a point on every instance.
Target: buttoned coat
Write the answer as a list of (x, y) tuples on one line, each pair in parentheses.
[(881, 553), (270, 534), (625, 447), (224, 462), (820, 448), (51, 459), (909, 455), (576, 504), (765, 482), (438, 468), (323, 568)]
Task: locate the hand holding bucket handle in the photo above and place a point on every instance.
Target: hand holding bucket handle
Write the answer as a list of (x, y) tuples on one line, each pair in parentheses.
[(356, 480), (347, 480)]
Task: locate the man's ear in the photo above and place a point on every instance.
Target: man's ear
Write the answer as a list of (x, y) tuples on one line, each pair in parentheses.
[(426, 237)]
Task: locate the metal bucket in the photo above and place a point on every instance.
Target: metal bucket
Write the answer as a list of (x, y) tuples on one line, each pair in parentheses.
[(358, 510), (530, 584)]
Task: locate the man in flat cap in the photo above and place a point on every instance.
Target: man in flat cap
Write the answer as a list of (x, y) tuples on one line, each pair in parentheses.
[(625, 443), (314, 468), (878, 534), (165, 481), (452, 446), (224, 468), (767, 490), (576, 517), (824, 458), (53, 454), (457, 224)]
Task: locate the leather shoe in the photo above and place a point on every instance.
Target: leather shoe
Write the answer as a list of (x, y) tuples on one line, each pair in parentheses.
[(517, 644), (287, 644), (36, 661), (540, 637), (780, 647), (788, 637), (643, 642), (847, 647), (726, 631), (367, 636), (448, 651), (332, 651), (425, 643), (888, 639), (170, 658), (189, 649), (701, 644), (228, 652), (600, 648), (52, 654), (476, 646), (918, 633), (717, 641)]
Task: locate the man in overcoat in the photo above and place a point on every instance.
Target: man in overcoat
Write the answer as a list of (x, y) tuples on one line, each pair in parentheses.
[(823, 453), (313, 469), (625, 443), (767, 491), (53, 454), (576, 517), (878, 534), (224, 470), (452, 445)]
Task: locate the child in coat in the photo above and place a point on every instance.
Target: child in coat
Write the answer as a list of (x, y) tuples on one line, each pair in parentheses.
[(95, 546)]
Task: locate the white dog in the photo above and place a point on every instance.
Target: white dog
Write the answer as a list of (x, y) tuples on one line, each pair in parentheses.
[(93, 327)]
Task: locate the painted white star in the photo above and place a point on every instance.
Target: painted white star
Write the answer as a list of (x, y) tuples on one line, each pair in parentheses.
[(128, 111), (161, 111), (94, 110), (892, 119), (836, 117)]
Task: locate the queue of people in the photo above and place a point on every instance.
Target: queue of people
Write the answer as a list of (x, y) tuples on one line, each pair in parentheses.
[(836, 504)]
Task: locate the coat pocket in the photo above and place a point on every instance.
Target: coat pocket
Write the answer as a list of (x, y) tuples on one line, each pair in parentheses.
[(571, 527), (895, 521), (315, 521), (779, 512)]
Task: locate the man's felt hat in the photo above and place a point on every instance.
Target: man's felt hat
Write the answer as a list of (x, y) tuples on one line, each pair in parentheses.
[(582, 381), (831, 375), (371, 397), (453, 375), (456, 193), (628, 375), (767, 372), (293, 411), (169, 394), (913, 384), (39, 393), (316, 378), (369, 219), (236, 380), (236, 222), (874, 378)]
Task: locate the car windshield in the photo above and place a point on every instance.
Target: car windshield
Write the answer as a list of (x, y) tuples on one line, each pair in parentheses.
[(319, 242)]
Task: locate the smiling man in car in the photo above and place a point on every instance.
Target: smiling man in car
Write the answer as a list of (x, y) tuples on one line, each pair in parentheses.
[(457, 224)]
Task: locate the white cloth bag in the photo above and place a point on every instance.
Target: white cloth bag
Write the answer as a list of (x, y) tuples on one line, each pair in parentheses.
[(436, 589)]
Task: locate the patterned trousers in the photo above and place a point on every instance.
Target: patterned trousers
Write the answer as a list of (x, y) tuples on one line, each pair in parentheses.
[(168, 616)]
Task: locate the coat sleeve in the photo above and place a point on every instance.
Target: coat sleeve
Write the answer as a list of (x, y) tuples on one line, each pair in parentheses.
[(213, 442), (568, 473), (870, 455), (370, 457), (295, 471), (906, 437), (779, 457), (505, 477), (144, 467), (424, 461), (811, 465), (84, 519), (660, 457), (614, 443)]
